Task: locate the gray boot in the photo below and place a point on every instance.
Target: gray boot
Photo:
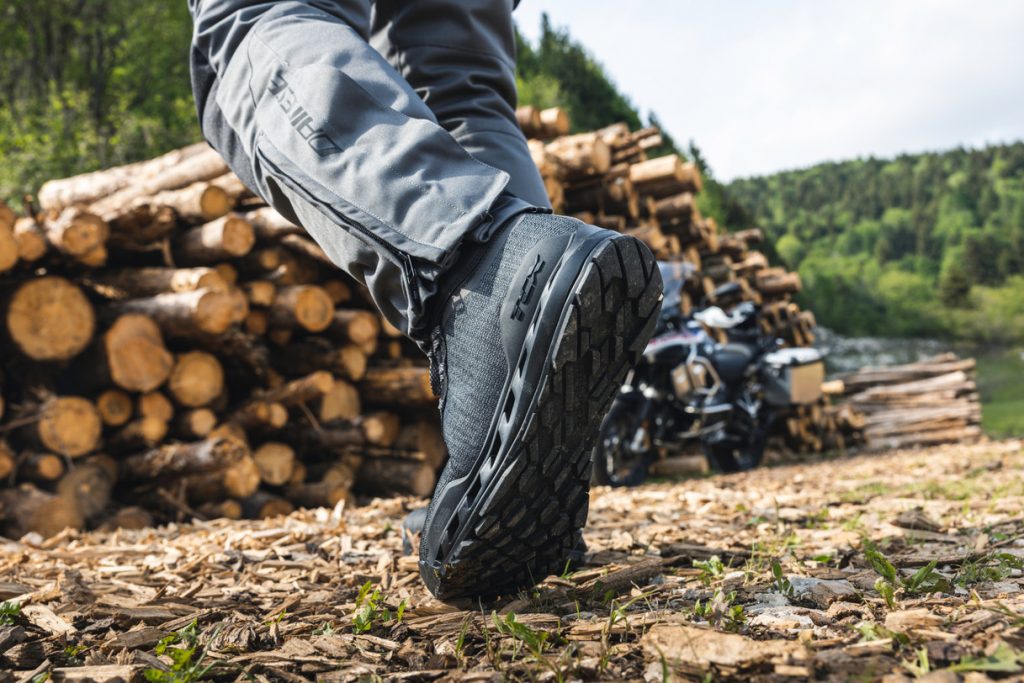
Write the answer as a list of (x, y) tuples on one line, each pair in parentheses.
[(537, 331)]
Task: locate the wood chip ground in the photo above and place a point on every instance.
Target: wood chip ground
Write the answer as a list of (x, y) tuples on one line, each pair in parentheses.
[(760, 576)]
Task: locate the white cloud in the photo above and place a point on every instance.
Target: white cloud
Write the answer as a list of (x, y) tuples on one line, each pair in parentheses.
[(763, 86)]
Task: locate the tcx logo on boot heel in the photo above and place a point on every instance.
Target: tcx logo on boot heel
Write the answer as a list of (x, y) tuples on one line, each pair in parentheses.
[(526, 293)]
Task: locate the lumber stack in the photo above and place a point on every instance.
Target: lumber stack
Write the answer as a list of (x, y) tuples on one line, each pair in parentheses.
[(933, 401), (605, 177), (172, 345)]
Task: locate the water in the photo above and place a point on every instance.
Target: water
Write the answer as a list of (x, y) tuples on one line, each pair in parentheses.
[(1000, 370), (845, 354)]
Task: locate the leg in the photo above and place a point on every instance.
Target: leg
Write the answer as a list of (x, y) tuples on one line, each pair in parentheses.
[(459, 56), (531, 328), (317, 122)]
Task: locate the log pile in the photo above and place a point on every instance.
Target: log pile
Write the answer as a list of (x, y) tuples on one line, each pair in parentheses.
[(605, 177), (930, 402), (171, 344)]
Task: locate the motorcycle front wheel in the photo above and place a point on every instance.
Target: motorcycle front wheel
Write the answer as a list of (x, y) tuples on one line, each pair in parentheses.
[(735, 450), (615, 463)]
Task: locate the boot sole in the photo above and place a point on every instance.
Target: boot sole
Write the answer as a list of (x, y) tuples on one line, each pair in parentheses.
[(521, 515)]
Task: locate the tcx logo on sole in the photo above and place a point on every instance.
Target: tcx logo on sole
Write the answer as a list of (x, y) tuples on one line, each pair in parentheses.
[(299, 118)]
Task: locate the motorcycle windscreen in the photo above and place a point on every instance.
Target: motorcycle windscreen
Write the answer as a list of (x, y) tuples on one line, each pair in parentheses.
[(673, 275)]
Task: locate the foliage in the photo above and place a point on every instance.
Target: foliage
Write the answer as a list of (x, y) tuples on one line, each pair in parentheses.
[(9, 612), (560, 71), (922, 582), (1002, 392), (710, 569), (923, 244), (1004, 659), (371, 610), (182, 647), (535, 641), (90, 84), (721, 611), (995, 566), (782, 584)]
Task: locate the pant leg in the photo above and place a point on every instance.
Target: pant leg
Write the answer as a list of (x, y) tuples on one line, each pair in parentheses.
[(459, 56), (320, 125)]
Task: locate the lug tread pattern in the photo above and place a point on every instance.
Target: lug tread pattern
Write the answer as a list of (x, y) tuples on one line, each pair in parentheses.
[(533, 519)]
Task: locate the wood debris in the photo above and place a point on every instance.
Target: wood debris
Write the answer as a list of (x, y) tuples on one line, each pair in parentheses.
[(679, 582)]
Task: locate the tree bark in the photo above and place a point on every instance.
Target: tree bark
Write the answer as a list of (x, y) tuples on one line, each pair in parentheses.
[(115, 407), (134, 353), (27, 509), (226, 237), (29, 239), (195, 424), (305, 306), (155, 404), (270, 226), (341, 402), (75, 232), (144, 282), (383, 476), (404, 386), (585, 154), (184, 314), (262, 505), (179, 459)]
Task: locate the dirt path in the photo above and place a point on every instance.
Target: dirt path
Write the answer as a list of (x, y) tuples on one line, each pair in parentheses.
[(759, 576)]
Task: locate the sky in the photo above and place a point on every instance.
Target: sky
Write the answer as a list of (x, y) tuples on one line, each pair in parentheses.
[(763, 86)]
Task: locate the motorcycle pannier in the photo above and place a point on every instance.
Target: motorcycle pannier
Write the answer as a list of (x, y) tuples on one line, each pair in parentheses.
[(794, 376)]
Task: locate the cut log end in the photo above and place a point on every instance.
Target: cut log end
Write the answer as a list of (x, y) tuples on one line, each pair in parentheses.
[(50, 319), (197, 379), (135, 353), (115, 407), (69, 426)]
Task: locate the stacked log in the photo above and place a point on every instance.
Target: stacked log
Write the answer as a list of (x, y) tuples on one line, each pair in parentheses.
[(930, 402), (606, 178), (171, 343)]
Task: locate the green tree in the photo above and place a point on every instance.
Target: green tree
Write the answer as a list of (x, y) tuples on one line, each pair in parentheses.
[(944, 230), (90, 83), (954, 285), (790, 249)]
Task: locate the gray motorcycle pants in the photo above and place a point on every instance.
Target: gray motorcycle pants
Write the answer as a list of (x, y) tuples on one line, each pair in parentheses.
[(387, 130)]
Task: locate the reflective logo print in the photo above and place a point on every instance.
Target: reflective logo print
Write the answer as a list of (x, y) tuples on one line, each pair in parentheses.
[(526, 293), (301, 121)]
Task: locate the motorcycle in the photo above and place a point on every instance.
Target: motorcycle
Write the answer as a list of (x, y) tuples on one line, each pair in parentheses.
[(687, 387)]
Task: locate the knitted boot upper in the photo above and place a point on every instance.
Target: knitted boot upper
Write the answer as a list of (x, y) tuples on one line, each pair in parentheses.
[(474, 361)]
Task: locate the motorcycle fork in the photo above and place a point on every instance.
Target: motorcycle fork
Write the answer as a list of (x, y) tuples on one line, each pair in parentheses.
[(642, 440)]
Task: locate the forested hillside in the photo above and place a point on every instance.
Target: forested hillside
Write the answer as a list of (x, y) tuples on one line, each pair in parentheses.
[(90, 84), (922, 244), (93, 84)]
